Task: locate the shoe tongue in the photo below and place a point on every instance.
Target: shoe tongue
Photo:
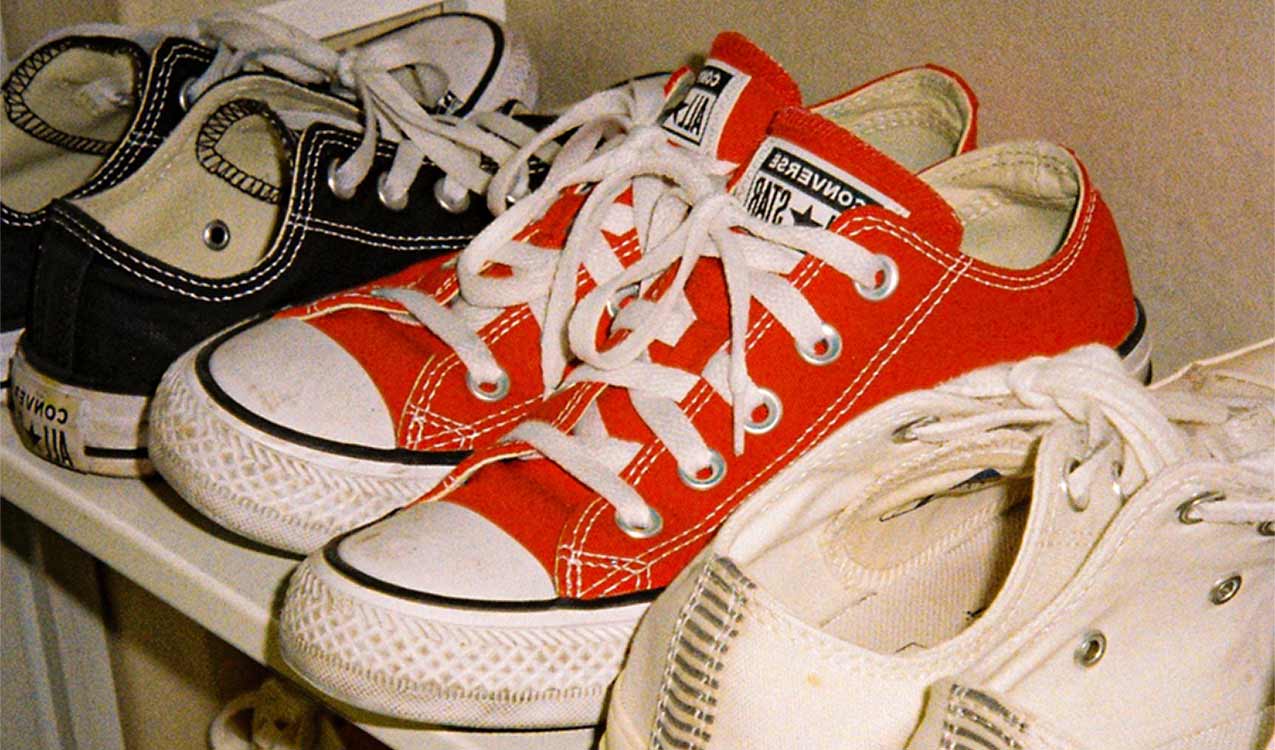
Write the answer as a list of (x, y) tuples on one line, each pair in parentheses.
[(732, 100), (808, 171), (455, 63)]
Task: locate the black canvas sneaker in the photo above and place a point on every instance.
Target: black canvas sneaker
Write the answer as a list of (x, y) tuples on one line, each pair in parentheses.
[(269, 192), (81, 111)]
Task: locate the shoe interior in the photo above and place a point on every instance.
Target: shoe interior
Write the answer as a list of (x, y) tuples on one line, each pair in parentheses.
[(917, 117), (209, 201), (909, 570), (64, 113), (1016, 201)]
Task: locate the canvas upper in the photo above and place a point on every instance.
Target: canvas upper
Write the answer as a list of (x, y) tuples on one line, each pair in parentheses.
[(1037, 555), (754, 333), (82, 111), (1000, 253), (269, 192), (412, 400)]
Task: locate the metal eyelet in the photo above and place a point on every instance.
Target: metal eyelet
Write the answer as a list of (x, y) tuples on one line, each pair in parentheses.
[(1184, 510), (520, 191), (449, 205), (393, 204), (216, 235), (333, 166), (622, 295), (1075, 502), (1266, 528), (904, 433), (184, 98), (716, 469), (493, 390), (831, 341), (774, 410), (889, 282), (1117, 468), (1225, 590), (653, 527), (1093, 646)]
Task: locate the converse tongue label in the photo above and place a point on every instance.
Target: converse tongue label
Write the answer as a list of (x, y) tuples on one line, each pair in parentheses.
[(786, 184), (701, 116)]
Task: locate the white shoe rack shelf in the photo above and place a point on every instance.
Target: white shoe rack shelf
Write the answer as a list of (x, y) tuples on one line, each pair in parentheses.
[(146, 532)]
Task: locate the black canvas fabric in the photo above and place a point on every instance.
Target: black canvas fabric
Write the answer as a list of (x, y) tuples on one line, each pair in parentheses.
[(172, 63), (108, 318)]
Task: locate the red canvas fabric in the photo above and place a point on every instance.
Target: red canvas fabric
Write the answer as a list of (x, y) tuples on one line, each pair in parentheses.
[(423, 382), (950, 314)]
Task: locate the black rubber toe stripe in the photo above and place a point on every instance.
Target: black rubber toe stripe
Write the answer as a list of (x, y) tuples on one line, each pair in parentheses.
[(332, 555), (256, 421)]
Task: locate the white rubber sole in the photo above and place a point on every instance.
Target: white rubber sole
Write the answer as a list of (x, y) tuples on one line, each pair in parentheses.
[(78, 428), (423, 660), (263, 487)]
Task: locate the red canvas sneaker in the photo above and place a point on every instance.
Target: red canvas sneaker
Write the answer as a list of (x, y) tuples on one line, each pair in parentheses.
[(307, 425), (505, 597)]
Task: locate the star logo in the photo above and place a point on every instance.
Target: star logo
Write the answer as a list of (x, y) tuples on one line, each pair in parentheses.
[(804, 218), (35, 437)]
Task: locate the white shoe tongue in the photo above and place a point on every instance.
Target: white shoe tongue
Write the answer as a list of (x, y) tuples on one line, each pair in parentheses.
[(808, 171), (451, 61), (1248, 433), (733, 99)]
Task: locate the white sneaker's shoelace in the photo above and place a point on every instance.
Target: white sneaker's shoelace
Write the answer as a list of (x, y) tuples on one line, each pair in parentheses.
[(282, 718), (701, 221), (610, 128), (1132, 433), (392, 85)]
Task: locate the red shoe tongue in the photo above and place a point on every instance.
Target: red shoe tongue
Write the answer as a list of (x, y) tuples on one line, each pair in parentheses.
[(809, 171), (734, 98)]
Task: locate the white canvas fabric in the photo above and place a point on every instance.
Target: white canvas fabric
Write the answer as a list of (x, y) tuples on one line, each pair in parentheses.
[(1043, 555)]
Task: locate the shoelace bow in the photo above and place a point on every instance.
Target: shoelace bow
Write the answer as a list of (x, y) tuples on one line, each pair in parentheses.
[(1132, 432), (702, 221), (609, 128), (392, 86)]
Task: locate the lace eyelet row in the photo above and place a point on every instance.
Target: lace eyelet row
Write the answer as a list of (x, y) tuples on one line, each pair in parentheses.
[(822, 352), (447, 203)]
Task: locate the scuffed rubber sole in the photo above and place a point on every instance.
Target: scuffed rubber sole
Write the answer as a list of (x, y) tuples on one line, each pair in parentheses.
[(487, 668), (78, 428), (263, 487)]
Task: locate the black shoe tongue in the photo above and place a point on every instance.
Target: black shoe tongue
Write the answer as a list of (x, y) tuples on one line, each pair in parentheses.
[(733, 99), (809, 171)]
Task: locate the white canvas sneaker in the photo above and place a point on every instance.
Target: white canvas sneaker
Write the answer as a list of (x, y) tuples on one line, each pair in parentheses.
[(1042, 555)]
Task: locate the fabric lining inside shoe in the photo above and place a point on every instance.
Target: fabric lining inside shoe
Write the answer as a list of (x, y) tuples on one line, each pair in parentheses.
[(61, 123), (906, 578), (231, 152), (916, 117), (1016, 203)]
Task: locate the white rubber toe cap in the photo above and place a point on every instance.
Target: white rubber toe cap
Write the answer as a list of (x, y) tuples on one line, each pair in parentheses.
[(289, 373), (443, 549)]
